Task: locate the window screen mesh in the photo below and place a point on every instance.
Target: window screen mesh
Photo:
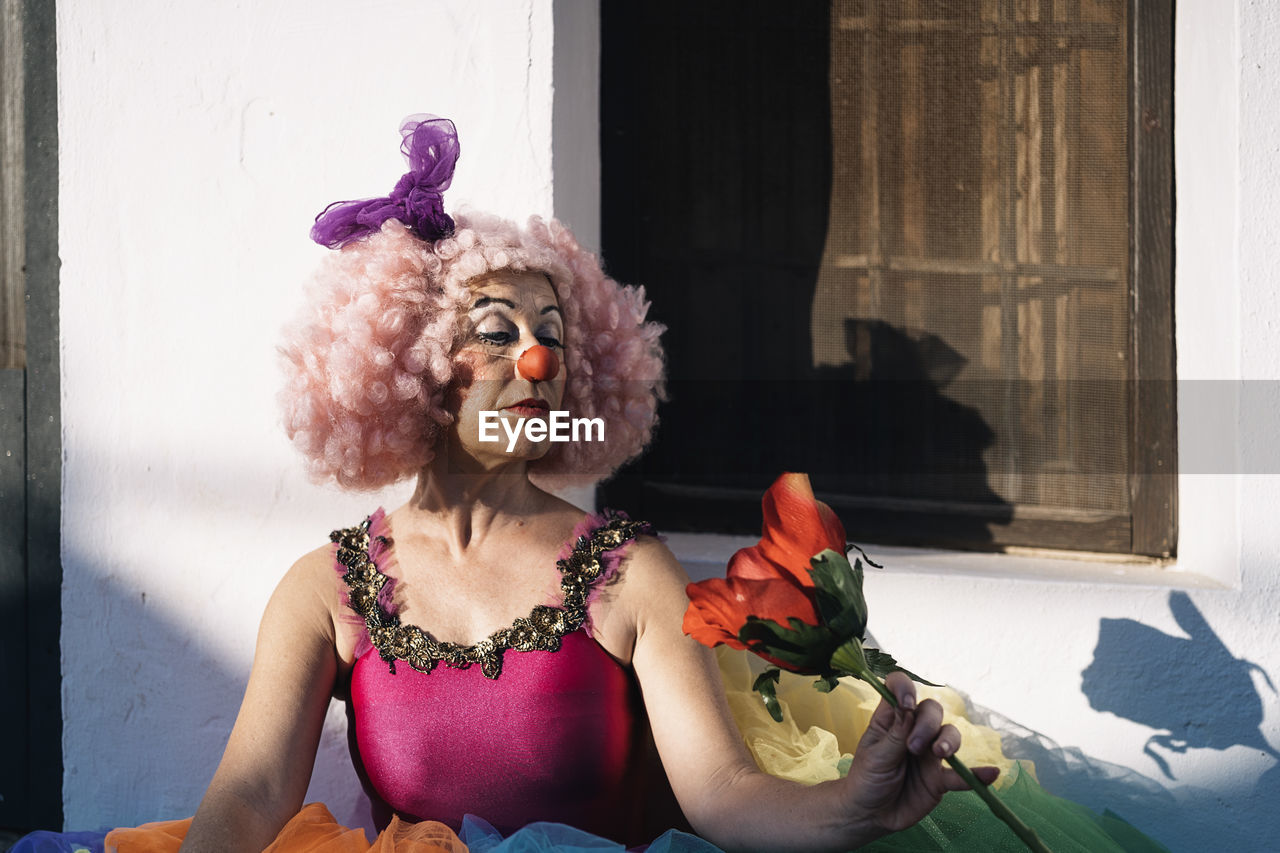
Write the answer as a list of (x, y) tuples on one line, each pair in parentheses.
[(977, 244)]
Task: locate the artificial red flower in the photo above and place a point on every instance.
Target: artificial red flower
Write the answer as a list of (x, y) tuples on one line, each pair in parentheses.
[(719, 607), (797, 526), (768, 581)]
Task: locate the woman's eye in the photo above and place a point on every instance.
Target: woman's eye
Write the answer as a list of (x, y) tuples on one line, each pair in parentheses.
[(496, 339)]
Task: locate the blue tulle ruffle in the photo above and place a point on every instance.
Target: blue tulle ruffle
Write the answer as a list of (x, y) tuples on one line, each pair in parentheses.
[(43, 841), (481, 837)]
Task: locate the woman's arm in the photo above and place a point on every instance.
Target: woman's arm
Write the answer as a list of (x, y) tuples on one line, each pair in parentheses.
[(897, 776), (265, 770)]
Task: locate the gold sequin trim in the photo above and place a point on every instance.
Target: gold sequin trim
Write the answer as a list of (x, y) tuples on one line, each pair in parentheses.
[(541, 630)]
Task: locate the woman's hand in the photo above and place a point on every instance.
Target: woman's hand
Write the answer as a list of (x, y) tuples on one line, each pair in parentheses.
[(897, 775)]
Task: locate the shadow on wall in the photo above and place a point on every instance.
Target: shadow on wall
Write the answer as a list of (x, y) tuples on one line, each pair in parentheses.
[(152, 747), (1196, 695), (1191, 689)]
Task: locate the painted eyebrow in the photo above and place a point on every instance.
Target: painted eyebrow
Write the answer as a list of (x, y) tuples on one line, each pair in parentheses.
[(491, 300)]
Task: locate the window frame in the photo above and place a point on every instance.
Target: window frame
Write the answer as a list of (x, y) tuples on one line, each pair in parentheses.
[(1150, 527), (1153, 482)]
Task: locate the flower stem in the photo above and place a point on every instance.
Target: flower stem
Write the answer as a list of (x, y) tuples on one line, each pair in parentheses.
[(997, 805)]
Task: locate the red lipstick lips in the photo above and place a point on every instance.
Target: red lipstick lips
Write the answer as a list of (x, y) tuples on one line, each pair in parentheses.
[(529, 407)]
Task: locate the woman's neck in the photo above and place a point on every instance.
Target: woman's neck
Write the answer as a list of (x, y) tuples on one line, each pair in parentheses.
[(460, 500)]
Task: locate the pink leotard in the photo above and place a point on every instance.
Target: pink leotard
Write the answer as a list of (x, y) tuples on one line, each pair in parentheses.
[(548, 734)]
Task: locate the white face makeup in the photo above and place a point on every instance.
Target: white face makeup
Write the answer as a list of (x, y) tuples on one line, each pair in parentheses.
[(510, 312), (505, 327)]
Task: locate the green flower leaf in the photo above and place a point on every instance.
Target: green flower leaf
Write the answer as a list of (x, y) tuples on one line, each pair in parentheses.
[(766, 684), (826, 685), (838, 591), (800, 646), (882, 663)]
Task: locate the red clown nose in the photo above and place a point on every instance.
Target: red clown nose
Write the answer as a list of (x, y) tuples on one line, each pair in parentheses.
[(538, 363)]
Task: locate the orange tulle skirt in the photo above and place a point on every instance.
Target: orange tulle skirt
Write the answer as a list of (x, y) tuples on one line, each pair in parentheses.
[(312, 830)]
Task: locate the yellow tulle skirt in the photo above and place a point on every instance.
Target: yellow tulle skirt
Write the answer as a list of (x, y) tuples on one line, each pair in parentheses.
[(820, 732)]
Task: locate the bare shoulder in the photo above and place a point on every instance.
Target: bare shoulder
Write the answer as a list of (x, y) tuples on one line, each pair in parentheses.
[(307, 605), (648, 592), (311, 584), (657, 597), (651, 565)]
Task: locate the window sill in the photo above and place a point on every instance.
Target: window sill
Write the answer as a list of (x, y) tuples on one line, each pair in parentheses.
[(705, 555)]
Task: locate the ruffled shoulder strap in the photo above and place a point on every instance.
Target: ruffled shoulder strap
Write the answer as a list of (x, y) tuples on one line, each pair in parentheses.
[(592, 557), (363, 560)]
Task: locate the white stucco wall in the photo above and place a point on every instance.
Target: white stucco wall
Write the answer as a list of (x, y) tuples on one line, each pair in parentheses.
[(196, 145)]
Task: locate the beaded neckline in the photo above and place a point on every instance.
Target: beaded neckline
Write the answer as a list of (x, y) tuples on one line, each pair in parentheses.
[(581, 570)]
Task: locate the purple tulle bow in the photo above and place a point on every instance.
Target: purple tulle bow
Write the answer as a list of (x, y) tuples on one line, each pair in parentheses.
[(430, 145)]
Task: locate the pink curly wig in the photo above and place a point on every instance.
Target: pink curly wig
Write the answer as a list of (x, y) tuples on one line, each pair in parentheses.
[(369, 361)]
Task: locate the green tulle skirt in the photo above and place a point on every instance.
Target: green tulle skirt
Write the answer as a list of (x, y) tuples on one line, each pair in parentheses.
[(962, 822)]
